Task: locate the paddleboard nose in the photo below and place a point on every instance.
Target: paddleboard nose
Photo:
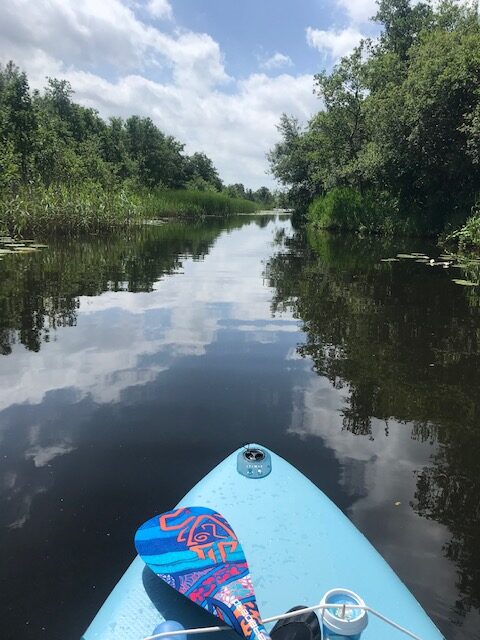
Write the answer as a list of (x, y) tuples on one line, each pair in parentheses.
[(254, 462)]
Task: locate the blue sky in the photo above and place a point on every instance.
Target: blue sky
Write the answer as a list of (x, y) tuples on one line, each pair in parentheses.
[(251, 30), (217, 74)]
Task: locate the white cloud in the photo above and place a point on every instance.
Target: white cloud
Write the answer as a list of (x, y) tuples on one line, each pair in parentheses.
[(359, 11), (120, 65), (160, 9), (74, 33), (277, 61), (334, 43), (71, 35)]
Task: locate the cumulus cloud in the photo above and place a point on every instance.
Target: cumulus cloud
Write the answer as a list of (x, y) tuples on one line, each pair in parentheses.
[(277, 61), (74, 33), (338, 42), (334, 43), (90, 35), (160, 9), (121, 65), (359, 11)]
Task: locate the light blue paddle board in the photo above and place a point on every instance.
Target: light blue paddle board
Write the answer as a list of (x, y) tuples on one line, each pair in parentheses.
[(298, 545)]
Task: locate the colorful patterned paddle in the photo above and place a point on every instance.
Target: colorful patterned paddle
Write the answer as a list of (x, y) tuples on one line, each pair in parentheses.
[(196, 551)]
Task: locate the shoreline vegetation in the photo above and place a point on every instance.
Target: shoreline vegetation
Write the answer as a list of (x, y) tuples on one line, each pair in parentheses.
[(395, 149), (65, 169), (92, 208)]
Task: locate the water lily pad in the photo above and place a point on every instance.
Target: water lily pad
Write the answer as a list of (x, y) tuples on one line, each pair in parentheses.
[(39, 246), (26, 250), (406, 255), (465, 283), (5, 251), (389, 260), (422, 260), (419, 255)]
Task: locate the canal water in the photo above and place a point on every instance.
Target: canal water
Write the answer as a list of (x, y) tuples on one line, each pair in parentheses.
[(131, 365)]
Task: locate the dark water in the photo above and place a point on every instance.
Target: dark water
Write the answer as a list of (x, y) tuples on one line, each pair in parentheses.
[(130, 366)]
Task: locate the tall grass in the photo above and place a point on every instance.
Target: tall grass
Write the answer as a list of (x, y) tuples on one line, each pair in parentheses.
[(82, 208), (91, 208), (194, 203)]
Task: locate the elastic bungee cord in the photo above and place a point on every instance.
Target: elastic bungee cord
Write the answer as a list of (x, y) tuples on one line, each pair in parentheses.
[(284, 616)]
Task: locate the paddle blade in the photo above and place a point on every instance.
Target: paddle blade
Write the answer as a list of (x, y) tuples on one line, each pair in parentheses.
[(196, 551)]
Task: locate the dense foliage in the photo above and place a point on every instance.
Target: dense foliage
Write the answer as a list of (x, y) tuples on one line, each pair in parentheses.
[(400, 124), (61, 164)]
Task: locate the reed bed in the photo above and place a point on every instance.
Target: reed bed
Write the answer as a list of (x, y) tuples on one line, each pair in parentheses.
[(194, 203), (91, 208)]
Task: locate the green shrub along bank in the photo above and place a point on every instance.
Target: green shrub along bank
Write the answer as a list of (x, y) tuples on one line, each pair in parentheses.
[(399, 116), (344, 209), (89, 207), (467, 238)]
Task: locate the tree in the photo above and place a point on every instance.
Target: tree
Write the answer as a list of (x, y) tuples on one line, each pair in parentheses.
[(290, 162), (158, 157), (399, 123), (236, 190), (263, 195), (115, 152), (402, 24), (339, 132), (199, 165), (423, 129), (46, 138), (17, 119)]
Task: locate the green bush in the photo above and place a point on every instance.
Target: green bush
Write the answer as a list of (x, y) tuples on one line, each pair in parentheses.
[(345, 209), (467, 238)]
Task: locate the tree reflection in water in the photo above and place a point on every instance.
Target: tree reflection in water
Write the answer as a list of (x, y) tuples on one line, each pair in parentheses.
[(404, 343), (40, 292)]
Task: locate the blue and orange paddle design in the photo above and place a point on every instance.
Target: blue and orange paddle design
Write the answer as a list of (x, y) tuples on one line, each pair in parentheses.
[(196, 551)]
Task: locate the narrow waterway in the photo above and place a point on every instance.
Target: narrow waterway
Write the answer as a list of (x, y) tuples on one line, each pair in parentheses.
[(129, 366)]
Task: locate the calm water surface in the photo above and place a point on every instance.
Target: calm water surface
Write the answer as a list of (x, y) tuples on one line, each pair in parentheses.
[(130, 366)]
